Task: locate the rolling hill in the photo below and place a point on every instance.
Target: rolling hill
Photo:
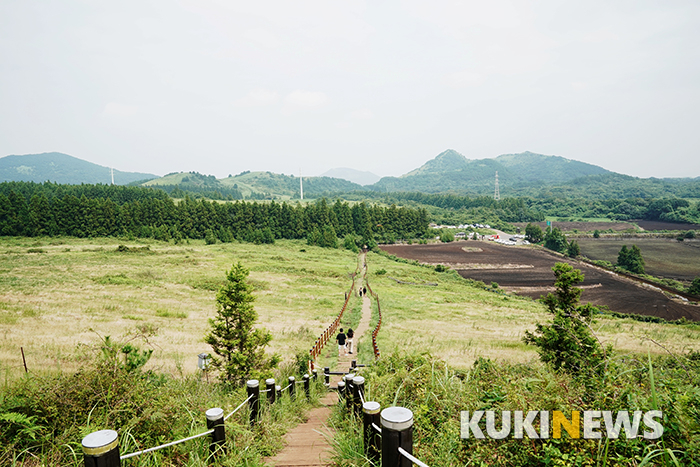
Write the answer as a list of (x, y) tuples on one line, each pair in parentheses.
[(451, 171), (61, 168)]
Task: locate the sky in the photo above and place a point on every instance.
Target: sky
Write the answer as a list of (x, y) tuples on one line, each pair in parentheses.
[(224, 86)]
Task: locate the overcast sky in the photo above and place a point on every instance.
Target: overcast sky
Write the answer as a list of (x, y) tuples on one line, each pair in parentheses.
[(224, 86)]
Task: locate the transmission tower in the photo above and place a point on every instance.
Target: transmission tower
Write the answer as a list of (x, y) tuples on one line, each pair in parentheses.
[(301, 185), (496, 194)]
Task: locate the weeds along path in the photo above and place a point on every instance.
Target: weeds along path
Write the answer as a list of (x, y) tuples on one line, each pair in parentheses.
[(307, 444)]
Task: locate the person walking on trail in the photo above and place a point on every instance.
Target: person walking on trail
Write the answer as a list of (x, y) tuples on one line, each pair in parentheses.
[(341, 342), (348, 342), (364, 290)]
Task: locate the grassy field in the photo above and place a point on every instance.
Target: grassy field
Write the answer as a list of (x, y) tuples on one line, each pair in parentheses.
[(663, 257), (57, 296)]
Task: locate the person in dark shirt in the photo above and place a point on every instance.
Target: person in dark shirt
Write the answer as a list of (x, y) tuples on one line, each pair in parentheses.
[(341, 342), (348, 343)]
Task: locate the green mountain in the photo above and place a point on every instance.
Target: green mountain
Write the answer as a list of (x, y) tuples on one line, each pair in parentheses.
[(451, 171), (61, 168), (287, 186), (251, 185)]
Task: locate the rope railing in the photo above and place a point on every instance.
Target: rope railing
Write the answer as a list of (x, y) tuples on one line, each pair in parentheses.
[(101, 448), (237, 408), (328, 333), (375, 331), (167, 445), (388, 433), (408, 456)]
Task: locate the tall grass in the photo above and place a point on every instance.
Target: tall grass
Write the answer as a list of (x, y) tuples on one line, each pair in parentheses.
[(436, 393)]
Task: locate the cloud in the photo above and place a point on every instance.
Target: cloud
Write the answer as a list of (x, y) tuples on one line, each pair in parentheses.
[(257, 98), (115, 109), (305, 99), (463, 79), (261, 37), (362, 114)]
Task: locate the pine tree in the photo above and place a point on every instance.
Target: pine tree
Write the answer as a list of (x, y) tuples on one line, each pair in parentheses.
[(631, 259), (568, 343), (240, 347), (573, 250)]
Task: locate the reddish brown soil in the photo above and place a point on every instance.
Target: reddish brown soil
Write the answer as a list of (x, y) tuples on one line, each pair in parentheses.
[(600, 287)]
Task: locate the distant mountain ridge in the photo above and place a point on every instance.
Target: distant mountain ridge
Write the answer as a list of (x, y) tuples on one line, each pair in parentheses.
[(451, 171), (356, 176), (62, 168), (524, 174)]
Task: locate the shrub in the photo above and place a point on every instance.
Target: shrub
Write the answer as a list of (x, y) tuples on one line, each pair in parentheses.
[(567, 343)]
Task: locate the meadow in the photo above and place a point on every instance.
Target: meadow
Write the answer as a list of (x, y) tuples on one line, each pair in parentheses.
[(663, 257), (60, 296)]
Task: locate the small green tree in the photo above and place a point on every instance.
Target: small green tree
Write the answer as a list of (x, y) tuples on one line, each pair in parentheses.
[(447, 236), (555, 240), (567, 343), (631, 259), (533, 233), (694, 288), (596, 233), (573, 249), (240, 347)]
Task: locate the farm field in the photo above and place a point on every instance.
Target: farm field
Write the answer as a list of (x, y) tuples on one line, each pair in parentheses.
[(56, 301), (527, 271), (663, 257), (582, 226)]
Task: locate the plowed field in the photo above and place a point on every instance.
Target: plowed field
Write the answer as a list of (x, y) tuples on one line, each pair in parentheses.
[(527, 271)]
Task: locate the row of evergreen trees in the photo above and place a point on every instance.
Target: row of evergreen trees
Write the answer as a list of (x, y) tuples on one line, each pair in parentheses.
[(28, 212)]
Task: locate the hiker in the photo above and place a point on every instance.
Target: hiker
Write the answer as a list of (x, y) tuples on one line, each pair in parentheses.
[(341, 342), (360, 292), (348, 343), (364, 289)]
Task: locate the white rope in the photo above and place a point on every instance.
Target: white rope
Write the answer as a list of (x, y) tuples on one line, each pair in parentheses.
[(411, 458), (236, 409), (288, 386), (379, 430), (266, 390), (361, 398), (134, 454)]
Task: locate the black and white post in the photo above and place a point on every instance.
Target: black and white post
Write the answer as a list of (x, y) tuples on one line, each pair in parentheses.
[(215, 421), (397, 432), (101, 449)]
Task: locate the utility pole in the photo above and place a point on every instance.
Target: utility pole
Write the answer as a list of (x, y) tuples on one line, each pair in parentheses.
[(112, 170), (301, 184), (496, 194)]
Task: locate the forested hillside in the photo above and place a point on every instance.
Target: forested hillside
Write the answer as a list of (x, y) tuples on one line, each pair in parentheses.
[(61, 168), (451, 171), (31, 209)]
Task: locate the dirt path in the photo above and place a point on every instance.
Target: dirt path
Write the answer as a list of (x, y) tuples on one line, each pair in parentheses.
[(307, 444)]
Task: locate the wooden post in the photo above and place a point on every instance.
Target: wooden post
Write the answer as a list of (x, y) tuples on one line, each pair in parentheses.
[(307, 386), (397, 431), (327, 375), (341, 390), (24, 360), (372, 437), (358, 383), (349, 390), (292, 382), (314, 374), (215, 421), (101, 449), (278, 390), (253, 389), (270, 387)]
